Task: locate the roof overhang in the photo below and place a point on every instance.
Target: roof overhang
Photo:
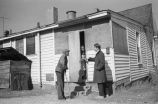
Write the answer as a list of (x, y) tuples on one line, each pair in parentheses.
[(29, 32), (97, 15), (82, 19)]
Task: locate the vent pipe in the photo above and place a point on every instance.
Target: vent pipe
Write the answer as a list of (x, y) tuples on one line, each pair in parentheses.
[(71, 14)]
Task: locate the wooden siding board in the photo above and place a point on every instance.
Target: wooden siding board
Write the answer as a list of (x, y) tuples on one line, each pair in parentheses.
[(109, 65), (122, 66), (7, 44), (121, 78), (136, 72), (34, 66), (47, 56)]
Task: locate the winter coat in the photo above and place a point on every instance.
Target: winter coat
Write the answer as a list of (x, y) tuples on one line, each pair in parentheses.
[(99, 68)]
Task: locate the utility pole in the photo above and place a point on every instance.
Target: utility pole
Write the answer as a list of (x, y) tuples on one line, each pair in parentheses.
[(3, 20)]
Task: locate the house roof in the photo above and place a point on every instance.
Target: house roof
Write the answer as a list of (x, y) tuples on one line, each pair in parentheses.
[(143, 14), (59, 24), (81, 19)]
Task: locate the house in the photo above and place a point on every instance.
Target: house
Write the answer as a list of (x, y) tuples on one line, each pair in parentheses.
[(126, 42)]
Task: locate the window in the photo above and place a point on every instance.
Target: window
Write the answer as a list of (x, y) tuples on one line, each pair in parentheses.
[(30, 45), (20, 45), (138, 47), (119, 39)]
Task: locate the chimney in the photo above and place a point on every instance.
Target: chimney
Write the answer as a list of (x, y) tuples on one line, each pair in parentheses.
[(6, 33), (71, 14), (55, 14), (38, 25), (10, 31)]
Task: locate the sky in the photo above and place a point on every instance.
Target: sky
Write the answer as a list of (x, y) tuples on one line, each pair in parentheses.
[(24, 14)]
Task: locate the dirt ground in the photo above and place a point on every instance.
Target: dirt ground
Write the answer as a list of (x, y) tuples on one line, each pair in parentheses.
[(139, 94)]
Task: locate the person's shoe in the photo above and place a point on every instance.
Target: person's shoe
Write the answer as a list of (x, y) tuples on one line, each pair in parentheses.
[(65, 98), (62, 98), (100, 97), (107, 96)]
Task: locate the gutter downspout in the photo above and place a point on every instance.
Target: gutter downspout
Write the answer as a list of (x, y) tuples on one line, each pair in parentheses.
[(39, 56), (154, 52)]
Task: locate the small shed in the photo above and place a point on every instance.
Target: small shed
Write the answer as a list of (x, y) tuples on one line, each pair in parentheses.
[(15, 70)]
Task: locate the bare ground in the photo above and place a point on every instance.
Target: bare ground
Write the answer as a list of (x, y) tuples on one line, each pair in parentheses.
[(139, 94)]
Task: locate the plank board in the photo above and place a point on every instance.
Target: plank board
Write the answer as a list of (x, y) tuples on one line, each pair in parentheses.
[(74, 57)]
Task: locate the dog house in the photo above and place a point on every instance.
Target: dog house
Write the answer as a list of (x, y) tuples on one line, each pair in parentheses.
[(15, 70)]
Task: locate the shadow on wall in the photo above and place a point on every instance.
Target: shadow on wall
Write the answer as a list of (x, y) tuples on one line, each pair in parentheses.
[(109, 83), (30, 85)]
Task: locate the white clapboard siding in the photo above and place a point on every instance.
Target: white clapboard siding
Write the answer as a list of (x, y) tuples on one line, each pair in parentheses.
[(35, 72), (9, 44), (90, 65), (143, 50), (132, 47), (122, 66), (6, 44), (136, 72), (109, 65), (13, 43), (47, 56), (149, 57), (57, 57)]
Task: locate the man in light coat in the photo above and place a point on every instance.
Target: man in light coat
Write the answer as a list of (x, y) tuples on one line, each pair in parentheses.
[(60, 70), (99, 70)]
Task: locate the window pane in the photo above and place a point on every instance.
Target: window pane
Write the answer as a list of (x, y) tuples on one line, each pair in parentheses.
[(20, 46), (30, 45), (138, 47)]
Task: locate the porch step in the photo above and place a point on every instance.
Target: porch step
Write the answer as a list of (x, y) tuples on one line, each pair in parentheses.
[(82, 90)]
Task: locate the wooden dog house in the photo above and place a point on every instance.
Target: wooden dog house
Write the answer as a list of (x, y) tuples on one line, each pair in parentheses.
[(15, 70)]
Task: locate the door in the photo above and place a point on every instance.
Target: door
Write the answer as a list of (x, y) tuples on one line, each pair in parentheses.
[(74, 56)]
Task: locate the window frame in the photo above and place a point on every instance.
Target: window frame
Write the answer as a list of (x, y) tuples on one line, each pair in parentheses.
[(1, 44), (139, 54), (31, 36)]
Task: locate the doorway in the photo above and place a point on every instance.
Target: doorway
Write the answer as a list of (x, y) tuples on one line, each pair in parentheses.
[(82, 38), (83, 70)]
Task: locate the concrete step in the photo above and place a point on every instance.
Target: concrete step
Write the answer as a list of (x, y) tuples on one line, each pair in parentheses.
[(83, 90)]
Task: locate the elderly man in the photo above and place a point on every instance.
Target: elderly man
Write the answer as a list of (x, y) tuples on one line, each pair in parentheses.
[(60, 70), (99, 70)]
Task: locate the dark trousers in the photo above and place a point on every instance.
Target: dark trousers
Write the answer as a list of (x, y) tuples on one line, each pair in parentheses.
[(102, 89), (60, 85)]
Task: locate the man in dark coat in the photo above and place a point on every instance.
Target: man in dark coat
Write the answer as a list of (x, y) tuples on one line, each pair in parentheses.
[(60, 70), (99, 70)]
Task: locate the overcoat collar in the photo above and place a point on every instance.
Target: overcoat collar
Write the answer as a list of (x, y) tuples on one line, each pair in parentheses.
[(98, 52)]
